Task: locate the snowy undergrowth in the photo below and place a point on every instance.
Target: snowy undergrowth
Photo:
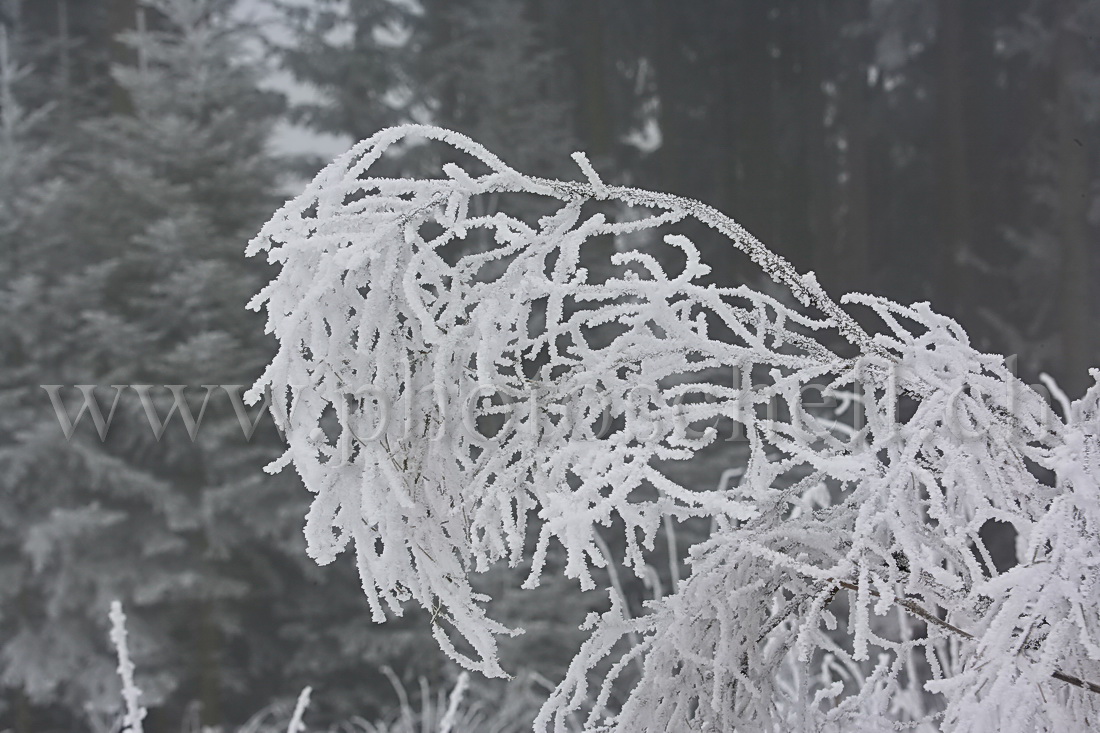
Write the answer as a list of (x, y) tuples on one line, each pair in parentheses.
[(847, 584), (460, 711)]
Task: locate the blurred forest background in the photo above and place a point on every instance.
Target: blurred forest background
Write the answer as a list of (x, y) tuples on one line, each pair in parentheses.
[(941, 150)]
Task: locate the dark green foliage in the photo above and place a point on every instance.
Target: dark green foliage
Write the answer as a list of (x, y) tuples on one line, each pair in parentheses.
[(137, 278)]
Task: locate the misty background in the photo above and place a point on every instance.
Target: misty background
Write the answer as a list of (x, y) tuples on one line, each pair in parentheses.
[(918, 149)]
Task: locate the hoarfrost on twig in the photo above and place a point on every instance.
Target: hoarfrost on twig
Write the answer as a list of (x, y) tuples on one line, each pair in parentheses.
[(135, 713)]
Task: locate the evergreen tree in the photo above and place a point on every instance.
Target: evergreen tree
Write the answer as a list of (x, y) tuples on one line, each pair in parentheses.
[(484, 67), (146, 285), (29, 197)]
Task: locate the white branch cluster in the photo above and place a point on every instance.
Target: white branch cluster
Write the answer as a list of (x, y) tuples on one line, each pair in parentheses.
[(846, 584)]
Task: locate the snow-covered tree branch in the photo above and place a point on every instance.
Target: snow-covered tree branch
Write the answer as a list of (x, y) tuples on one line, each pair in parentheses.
[(452, 381)]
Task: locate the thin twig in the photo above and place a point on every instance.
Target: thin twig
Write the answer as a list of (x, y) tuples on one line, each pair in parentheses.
[(776, 266), (617, 589), (931, 618)]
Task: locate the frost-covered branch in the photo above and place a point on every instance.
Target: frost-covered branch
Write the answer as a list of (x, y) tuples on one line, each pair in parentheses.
[(296, 724), (916, 610), (452, 382)]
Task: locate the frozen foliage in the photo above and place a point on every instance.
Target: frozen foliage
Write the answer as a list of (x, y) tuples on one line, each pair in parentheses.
[(847, 583)]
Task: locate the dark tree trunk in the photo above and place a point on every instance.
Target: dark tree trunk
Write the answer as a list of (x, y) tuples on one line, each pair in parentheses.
[(1073, 183), (956, 235), (755, 115), (822, 235), (595, 125), (668, 70), (852, 249), (121, 17)]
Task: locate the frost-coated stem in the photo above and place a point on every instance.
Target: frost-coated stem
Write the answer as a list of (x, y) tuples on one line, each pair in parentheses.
[(296, 724), (451, 716), (135, 713)]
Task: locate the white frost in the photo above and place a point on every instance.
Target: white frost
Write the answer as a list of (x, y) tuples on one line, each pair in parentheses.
[(845, 586)]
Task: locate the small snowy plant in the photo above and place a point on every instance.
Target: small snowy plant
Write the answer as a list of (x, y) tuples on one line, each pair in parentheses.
[(458, 384), (131, 694)]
